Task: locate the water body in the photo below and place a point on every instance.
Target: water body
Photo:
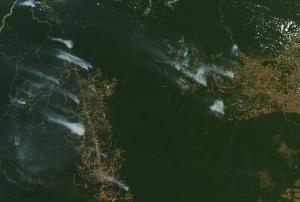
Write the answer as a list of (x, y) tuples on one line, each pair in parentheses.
[(177, 146)]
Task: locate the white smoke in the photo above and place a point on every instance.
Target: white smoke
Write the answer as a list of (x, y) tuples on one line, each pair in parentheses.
[(75, 128), (68, 43), (218, 107), (73, 59)]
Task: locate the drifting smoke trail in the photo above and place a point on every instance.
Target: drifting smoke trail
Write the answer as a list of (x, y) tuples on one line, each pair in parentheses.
[(69, 95), (203, 70), (27, 3), (41, 74), (185, 62), (19, 101), (65, 110), (68, 43), (73, 59), (199, 76), (75, 128), (115, 181), (30, 88)]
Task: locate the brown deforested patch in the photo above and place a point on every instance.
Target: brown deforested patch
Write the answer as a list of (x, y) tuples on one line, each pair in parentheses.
[(262, 85), (293, 194), (100, 158), (265, 179), (284, 150)]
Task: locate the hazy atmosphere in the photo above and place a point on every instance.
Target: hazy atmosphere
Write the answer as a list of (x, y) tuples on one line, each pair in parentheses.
[(150, 100)]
